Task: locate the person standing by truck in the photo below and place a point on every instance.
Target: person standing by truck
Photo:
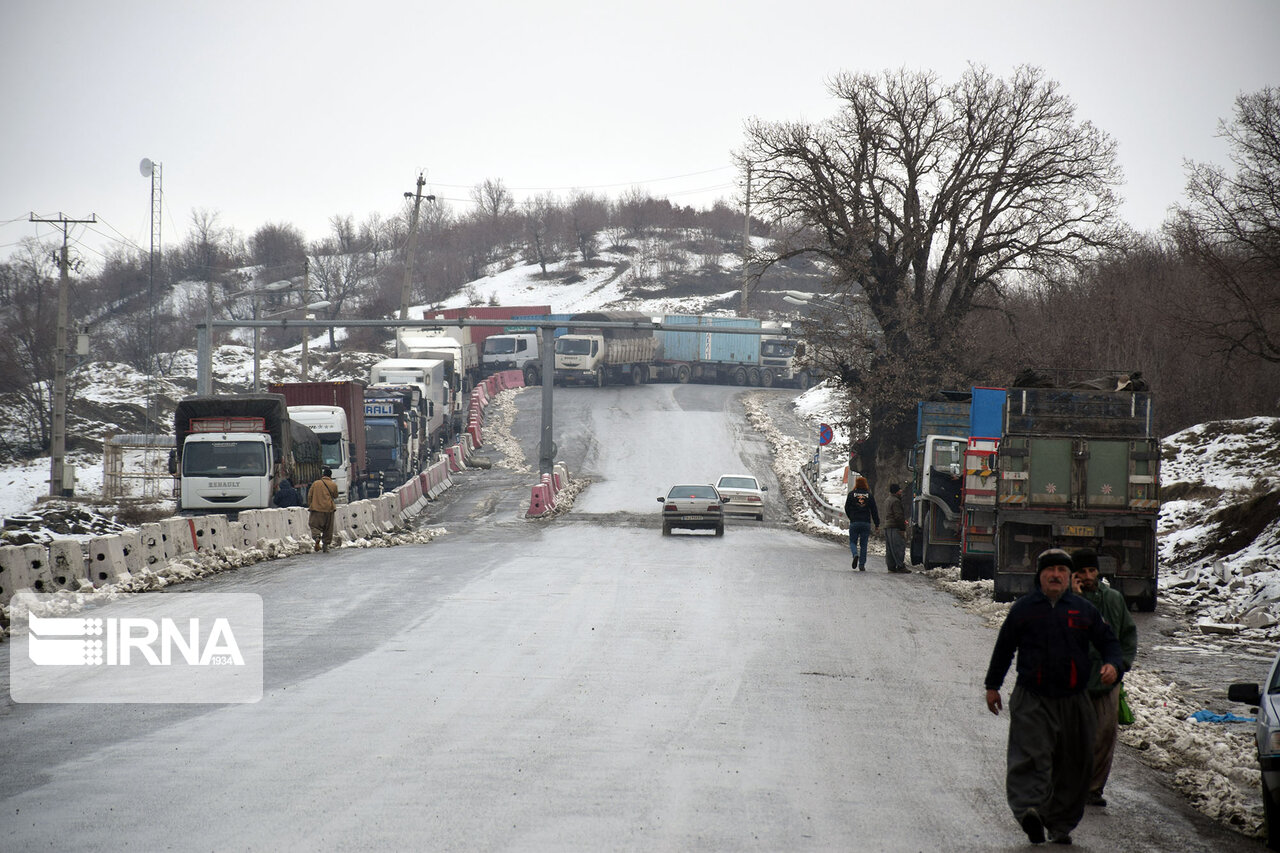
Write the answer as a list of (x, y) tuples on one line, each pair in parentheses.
[(860, 509), (895, 532), (1105, 697), (322, 500)]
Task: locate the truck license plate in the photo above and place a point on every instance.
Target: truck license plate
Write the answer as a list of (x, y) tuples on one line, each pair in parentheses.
[(1079, 530)]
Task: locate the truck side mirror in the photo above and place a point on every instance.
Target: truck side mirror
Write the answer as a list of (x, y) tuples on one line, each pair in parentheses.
[(173, 461)]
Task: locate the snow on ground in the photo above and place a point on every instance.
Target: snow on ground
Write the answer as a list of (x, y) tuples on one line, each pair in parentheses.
[(1219, 527)]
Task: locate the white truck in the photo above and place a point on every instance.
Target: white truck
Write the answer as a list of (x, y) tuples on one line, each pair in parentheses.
[(512, 351), (610, 353), (440, 407), (448, 343)]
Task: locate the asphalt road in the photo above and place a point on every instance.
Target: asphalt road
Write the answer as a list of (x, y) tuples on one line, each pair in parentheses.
[(581, 683)]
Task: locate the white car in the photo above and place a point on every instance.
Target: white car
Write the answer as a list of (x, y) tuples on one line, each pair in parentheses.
[(745, 494), (1267, 735)]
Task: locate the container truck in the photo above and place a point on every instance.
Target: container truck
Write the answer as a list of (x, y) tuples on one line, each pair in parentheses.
[(335, 412), (1079, 467), (451, 344), (784, 361), (230, 451), (937, 457), (708, 356), (439, 408), (978, 488), (609, 353), (393, 435), (487, 312)]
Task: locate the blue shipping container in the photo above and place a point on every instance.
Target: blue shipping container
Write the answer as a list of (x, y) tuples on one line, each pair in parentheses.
[(710, 346)]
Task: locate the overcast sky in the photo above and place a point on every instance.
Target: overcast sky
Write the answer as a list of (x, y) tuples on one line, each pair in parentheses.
[(286, 111)]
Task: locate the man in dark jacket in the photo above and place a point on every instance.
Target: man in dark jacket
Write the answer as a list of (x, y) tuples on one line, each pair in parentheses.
[(322, 501), (286, 495), (895, 532), (1052, 723)]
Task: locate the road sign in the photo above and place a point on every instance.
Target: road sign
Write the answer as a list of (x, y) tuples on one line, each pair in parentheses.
[(824, 435)]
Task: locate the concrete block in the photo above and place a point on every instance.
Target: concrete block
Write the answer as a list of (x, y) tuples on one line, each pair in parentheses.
[(539, 500), (106, 561), (21, 568), (135, 558), (68, 563), (179, 536), (155, 550)]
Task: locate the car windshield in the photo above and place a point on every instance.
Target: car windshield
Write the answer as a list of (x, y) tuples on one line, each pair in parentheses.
[(737, 483), (686, 492)]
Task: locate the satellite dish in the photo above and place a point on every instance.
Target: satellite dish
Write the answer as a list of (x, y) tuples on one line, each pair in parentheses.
[(145, 167)]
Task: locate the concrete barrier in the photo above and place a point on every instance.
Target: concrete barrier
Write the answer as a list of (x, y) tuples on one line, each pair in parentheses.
[(539, 500), (245, 531), (180, 536), (561, 472), (135, 556), (296, 526), (20, 569), (211, 532), (155, 551), (67, 564), (106, 561)]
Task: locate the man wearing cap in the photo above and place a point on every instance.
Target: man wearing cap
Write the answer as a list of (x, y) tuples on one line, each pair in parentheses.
[(1105, 697), (1051, 720)]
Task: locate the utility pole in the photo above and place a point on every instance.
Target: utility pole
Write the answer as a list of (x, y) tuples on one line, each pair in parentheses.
[(58, 444), (411, 250), (746, 246)]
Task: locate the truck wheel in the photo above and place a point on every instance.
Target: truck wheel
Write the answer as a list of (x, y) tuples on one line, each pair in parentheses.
[(970, 569), (740, 377), (682, 374), (753, 377), (1146, 603), (916, 546), (531, 376), (600, 378), (804, 380), (766, 378)]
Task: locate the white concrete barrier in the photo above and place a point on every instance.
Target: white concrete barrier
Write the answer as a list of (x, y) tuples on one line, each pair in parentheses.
[(106, 561), (155, 549), (68, 564), (179, 536), (244, 533), (20, 568), (135, 558), (211, 532)]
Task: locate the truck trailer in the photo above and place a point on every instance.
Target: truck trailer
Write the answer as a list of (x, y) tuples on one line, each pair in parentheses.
[(230, 452), (1079, 467), (335, 412)]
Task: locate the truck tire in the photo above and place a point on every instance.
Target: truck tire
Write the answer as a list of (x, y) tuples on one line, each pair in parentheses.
[(804, 380), (753, 377), (917, 549), (766, 378), (682, 374), (740, 377), (600, 378), (531, 376)]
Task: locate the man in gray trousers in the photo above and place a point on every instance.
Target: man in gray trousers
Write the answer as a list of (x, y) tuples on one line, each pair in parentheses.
[(1052, 722)]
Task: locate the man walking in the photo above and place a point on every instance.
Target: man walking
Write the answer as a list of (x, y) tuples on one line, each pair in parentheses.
[(1105, 697), (1051, 725), (895, 532), (322, 501)]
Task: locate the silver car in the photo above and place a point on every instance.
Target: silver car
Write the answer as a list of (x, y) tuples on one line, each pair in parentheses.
[(1267, 735), (745, 494), (693, 507)]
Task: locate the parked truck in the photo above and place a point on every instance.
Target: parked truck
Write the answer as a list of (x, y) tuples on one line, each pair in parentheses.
[(1079, 467), (439, 407), (608, 353), (453, 344), (335, 412), (393, 435), (725, 358), (479, 334), (230, 452), (512, 351), (952, 519), (784, 361)]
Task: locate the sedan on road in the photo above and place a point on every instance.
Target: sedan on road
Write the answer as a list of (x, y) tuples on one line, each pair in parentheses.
[(693, 507), (1267, 735), (745, 494)]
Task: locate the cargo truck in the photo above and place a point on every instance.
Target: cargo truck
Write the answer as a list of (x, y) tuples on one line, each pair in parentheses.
[(230, 452), (1079, 467), (453, 344), (608, 354), (335, 412), (393, 435), (724, 358), (439, 407)]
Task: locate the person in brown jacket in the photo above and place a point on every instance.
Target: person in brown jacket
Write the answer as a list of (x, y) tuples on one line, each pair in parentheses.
[(322, 500), (895, 532)]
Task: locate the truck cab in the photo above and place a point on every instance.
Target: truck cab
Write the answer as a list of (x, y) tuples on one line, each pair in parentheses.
[(580, 358), (512, 351), (329, 423), (225, 469)]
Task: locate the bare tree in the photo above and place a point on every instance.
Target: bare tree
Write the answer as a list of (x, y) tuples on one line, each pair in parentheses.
[(493, 200), (1230, 232), (926, 199), (587, 215), (280, 249)]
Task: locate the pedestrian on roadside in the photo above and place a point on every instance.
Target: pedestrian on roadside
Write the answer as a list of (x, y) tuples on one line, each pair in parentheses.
[(286, 495), (1049, 762), (895, 532), (860, 509), (1105, 697), (322, 500)]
